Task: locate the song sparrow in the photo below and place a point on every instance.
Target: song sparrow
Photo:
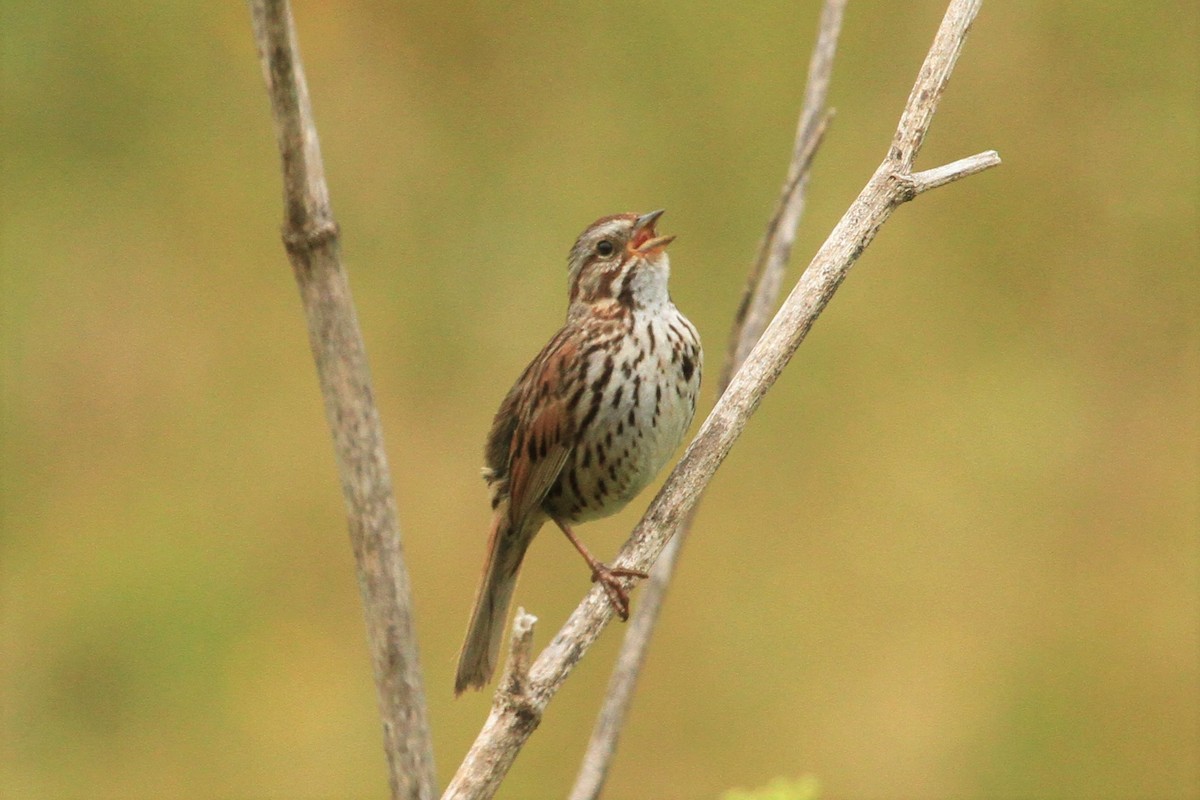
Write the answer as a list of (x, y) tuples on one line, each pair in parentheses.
[(590, 421)]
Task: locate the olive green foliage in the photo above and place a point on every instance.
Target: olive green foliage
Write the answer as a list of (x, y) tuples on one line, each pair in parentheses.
[(954, 555)]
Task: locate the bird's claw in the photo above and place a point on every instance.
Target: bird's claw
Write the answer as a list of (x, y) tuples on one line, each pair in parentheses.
[(609, 580)]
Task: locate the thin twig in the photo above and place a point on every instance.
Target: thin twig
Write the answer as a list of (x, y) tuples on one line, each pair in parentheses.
[(940, 176), (775, 250), (310, 236), (505, 731), (758, 301), (516, 674)]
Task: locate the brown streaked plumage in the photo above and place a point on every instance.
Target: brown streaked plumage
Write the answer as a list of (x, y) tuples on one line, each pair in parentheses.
[(590, 421)]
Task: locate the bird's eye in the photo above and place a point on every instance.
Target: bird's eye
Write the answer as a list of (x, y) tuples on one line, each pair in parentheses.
[(605, 248)]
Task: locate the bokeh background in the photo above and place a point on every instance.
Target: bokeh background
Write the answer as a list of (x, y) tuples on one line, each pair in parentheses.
[(955, 554)]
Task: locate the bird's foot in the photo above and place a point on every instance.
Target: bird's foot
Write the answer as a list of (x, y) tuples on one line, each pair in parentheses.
[(609, 579)]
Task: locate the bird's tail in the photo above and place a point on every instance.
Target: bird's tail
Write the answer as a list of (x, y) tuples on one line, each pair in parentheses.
[(480, 650)]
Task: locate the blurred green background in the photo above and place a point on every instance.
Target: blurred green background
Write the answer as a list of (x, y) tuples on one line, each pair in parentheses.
[(956, 553)]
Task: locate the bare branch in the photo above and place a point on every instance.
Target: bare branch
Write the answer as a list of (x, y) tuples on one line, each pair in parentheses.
[(516, 674), (763, 284), (931, 82), (310, 236), (964, 167), (505, 731), (619, 697), (758, 301), (766, 276)]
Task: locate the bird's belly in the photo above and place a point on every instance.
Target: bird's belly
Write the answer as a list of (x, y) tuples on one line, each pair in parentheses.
[(639, 424)]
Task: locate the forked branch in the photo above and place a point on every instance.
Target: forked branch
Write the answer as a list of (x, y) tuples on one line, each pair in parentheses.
[(892, 184), (310, 236)]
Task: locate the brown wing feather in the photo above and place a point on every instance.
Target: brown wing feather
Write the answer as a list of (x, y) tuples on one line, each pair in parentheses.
[(543, 434)]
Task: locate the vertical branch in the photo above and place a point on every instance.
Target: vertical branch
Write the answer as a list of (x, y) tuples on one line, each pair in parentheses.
[(310, 236), (754, 311), (766, 276), (892, 184)]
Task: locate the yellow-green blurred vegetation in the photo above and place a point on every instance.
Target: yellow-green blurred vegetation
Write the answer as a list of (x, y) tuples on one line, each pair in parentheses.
[(955, 554), (806, 788)]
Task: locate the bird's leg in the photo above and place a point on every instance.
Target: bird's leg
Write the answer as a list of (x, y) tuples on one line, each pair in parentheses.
[(608, 577)]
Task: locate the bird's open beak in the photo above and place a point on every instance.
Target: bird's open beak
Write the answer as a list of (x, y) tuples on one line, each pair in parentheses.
[(645, 240)]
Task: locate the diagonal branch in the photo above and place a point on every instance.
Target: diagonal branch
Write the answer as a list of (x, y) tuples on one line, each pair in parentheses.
[(310, 236), (931, 82), (753, 314), (892, 184)]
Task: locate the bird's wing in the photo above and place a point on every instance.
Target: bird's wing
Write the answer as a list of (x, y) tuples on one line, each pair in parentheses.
[(544, 434)]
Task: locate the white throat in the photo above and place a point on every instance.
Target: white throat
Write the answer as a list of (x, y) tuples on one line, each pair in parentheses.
[(648, 283)]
